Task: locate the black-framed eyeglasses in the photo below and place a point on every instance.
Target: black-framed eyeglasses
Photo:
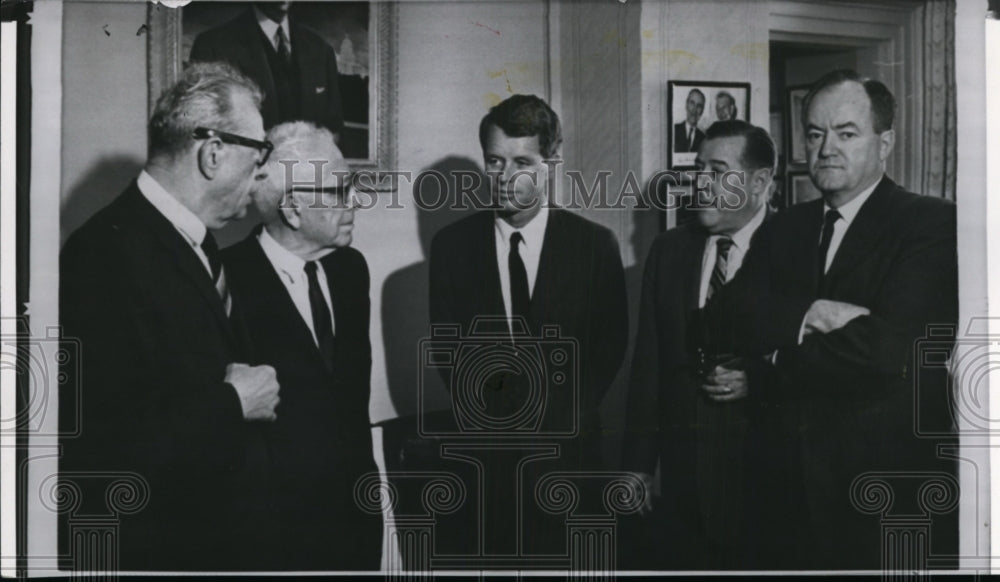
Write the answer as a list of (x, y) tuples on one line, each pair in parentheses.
[(264, 148), (343, 194)]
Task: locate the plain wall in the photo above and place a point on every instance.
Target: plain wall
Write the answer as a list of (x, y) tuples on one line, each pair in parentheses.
[(104, 105)]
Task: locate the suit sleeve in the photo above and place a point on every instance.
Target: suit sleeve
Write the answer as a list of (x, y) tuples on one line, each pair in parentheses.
[(920, 290), (162, 413), (642, 426), (609, 318)]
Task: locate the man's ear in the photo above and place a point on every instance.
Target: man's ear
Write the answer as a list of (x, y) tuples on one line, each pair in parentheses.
[(290, 211), (210, 157), (887, 140), (760, 180)]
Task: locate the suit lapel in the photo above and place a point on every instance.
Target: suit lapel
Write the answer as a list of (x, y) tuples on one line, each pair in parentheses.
[(483, 272), (694, 253), (256, 57), (183, 256), (548, 271), (865, 230)]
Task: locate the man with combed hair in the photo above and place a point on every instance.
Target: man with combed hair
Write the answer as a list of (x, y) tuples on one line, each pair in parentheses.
[(725, 106), (307, 308), (838, 292), (687, 134), (690, 412), (528, 261), (166, 391)]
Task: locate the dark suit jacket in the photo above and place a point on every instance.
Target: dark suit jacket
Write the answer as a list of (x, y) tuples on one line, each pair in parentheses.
[(681, 143), (700, 444), (321, 441), (580, 287), (155, 343), (241, 43), (851, 393)]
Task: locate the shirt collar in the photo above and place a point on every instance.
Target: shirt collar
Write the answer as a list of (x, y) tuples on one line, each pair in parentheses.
[(180, 216), (283, 259), (741, 238), (533, 232), (850, 210), (270, 27)]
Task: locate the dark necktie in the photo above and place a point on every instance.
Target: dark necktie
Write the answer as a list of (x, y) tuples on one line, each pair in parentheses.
[(690, 147), (322, 324), (520, 298), (718, 278), (211, 250), (831, 217), (281, 44)]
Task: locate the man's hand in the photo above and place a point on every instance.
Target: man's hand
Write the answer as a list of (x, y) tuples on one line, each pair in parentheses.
[(725, 385), (647, 502), (257, 387), (825, 316)]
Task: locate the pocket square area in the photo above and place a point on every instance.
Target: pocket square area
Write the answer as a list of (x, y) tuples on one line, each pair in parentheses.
[(320, 90)]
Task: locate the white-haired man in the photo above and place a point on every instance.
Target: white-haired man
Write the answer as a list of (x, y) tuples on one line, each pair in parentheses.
[(166, 391), (304, 292)]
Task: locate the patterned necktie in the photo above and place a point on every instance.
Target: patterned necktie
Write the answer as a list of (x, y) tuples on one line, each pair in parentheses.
[(211, 250), (520, 298), (832, 216), (690, 147), (281, 45), (322, 324), (718, 278)]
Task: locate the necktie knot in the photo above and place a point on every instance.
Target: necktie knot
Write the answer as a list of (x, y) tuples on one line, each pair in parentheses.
[(310, 268), (515, 239), (831, 217), (281, 43), (723, 244)]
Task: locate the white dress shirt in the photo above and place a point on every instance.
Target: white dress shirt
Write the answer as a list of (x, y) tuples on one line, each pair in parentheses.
[(186, 222), (530, 249), (847, 214), (291, 269), (270, 29), (741, 245)]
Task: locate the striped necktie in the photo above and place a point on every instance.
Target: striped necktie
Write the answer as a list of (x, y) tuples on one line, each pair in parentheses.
[(718, 278)]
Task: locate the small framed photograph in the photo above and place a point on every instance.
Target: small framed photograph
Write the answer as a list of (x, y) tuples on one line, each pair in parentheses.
[(692, 107), (796, 131), (801, 188)]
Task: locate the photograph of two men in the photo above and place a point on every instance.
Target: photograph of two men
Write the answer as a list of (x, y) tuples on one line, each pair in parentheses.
[(505, 287)]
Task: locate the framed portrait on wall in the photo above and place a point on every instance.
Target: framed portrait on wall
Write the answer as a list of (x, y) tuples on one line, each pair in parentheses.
[(338, 68), (801, 189), (796, 133), (692, 106)]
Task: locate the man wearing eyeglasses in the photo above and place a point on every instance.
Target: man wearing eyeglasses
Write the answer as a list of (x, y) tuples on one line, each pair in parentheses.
[(305, 296), (167, 392)]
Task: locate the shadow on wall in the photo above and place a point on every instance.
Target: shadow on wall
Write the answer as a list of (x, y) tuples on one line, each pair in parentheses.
[(405, 319), (96, 189), (107, 180)]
